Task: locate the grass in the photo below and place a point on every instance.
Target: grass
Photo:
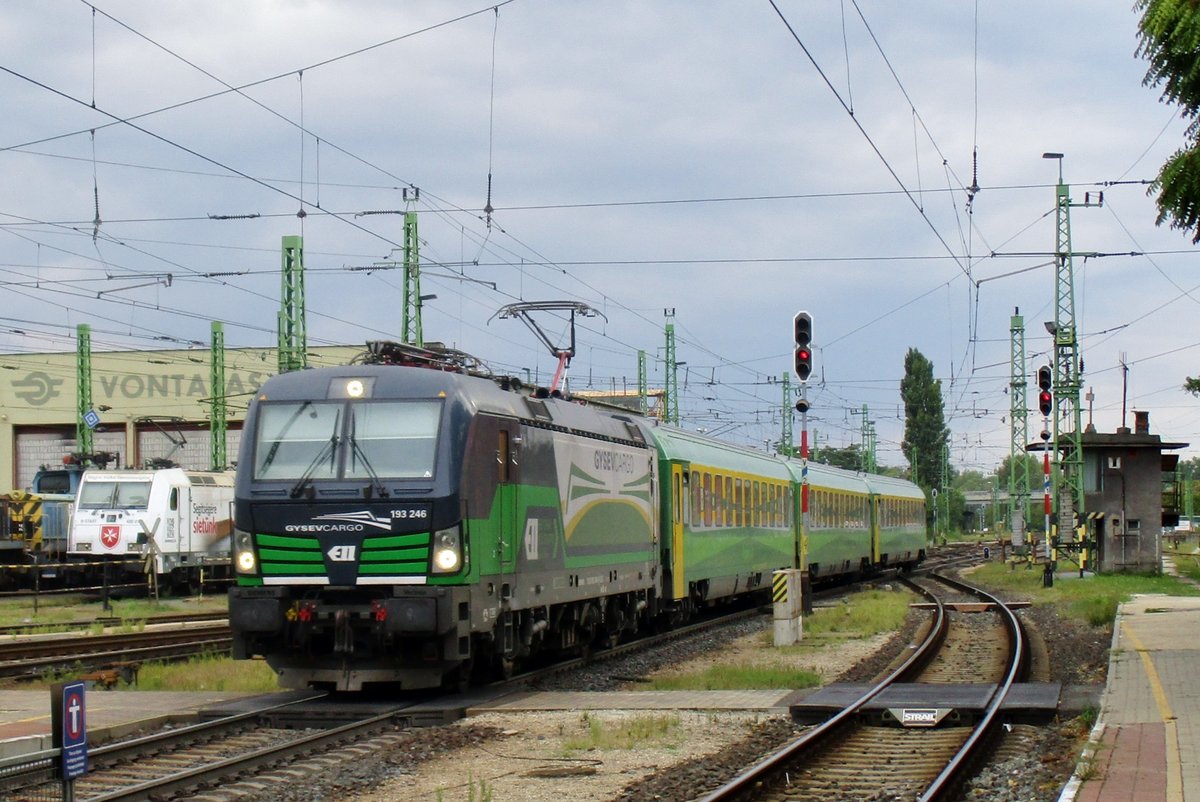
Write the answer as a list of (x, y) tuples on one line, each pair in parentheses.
[(212, 673), (858, 615), (862, 614), (204, 673), (54, 612), (726, 678), (625, 733), (1092, 599)]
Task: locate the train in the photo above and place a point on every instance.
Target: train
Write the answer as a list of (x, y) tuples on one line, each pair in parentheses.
[(80, 525), (34, 523), (171, 524), (417, 526)]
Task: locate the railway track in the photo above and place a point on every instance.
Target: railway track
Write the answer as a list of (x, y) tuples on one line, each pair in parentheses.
[(973, 652), (179, 762), (32, 658), (109, 621)]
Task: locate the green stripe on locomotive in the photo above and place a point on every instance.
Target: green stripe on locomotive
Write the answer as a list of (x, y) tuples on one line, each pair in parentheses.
[(402, 556), (603, 531)]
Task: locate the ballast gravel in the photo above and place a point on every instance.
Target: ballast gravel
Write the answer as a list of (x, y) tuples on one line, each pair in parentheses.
[(551, 756)]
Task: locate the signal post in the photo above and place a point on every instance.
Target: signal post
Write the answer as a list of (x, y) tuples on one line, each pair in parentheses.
[(1046, 406), (802, 338)]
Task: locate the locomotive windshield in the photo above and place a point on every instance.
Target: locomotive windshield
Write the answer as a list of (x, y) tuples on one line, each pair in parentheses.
[(114, 495), (346, 440)]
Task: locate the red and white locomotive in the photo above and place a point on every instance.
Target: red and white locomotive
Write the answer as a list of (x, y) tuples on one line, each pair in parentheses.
[(171, 521)]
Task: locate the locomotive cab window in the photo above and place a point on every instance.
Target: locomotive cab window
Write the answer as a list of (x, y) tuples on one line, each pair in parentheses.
[(114, 495), (295, 437), (356, 440), (393, 438)]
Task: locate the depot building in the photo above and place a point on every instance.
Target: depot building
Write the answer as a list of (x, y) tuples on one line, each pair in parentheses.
[(147, 405)]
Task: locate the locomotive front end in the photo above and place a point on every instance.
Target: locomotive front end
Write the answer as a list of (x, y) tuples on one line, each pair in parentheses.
[(348, 547)]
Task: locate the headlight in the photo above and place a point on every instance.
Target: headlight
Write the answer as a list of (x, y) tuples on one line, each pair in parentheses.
[(447, 551), (243, 552)]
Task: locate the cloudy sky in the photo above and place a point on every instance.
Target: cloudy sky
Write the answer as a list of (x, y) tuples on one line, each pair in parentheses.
[(732, 161)]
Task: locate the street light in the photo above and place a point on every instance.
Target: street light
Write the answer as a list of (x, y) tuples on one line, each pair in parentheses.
[(1059, 157)]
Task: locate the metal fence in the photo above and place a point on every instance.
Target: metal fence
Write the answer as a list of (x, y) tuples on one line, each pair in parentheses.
[(32, 778)]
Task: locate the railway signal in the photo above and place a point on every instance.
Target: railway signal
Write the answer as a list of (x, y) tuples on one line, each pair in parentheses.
[(802, 325), (1045, 398)]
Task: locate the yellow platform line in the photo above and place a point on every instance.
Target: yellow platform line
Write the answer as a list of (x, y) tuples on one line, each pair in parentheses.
[(1174, 762)]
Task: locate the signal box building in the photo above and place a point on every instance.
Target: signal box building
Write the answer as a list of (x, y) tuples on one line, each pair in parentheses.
[(1131, 492), (150, 405)]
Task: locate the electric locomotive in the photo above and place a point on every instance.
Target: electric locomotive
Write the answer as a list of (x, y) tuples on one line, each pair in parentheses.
[(169, 522), (405, 525)]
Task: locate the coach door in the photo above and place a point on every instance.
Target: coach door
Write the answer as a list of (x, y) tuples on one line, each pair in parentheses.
[(508, 466), (878, 510), (679, 498)]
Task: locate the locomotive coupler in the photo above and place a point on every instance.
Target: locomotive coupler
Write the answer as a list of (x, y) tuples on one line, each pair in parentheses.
[(343, 634)]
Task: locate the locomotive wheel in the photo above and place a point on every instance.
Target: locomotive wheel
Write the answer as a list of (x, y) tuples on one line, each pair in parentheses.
[(505, 666), (608, 638), (458, 680)]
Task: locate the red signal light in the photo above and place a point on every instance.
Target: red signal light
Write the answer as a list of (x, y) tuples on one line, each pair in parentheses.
[(1045, 402), (803, 363)]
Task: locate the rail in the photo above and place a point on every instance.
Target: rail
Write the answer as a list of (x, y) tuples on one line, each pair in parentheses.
[(785, 765)]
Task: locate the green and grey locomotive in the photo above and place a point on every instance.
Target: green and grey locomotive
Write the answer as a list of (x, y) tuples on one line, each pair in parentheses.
[(399, 524)]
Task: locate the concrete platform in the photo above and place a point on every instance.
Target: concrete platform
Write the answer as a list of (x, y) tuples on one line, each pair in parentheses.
[(25, 715), (777, 701), (1148, 732)]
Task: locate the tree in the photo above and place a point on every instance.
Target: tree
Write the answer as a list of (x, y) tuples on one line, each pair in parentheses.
[(851, 457), (1033, 466), (1169, 39), (925, 432)]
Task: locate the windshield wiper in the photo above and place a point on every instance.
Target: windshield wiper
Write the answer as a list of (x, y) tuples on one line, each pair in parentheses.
[(330, 449), (357, 451)]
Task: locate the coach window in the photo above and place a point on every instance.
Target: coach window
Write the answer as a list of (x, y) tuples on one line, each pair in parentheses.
[(708, 499), (697, 504), (737, 502), (718, 501), (727, 501), (713, 516), (685, 511), (677, 499)]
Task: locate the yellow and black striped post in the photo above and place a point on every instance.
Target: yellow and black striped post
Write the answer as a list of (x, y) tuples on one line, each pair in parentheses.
[(787, 606), (25, 517)]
